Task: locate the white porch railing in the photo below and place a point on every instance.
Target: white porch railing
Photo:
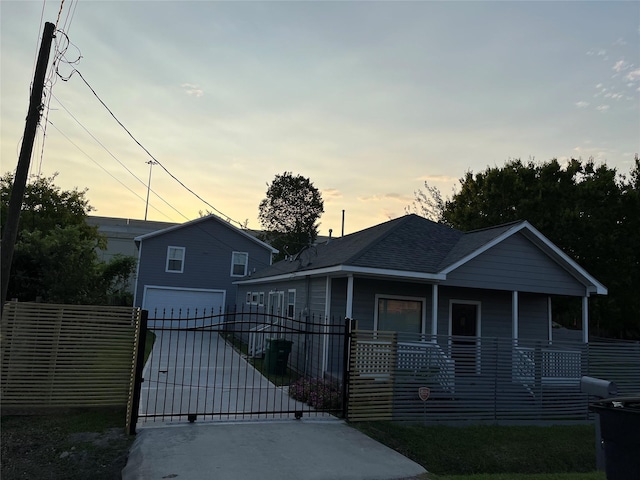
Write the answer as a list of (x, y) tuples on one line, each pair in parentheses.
[(558, 366), (428, 357)]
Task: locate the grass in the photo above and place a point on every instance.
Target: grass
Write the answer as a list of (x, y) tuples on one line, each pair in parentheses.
[(148, 344), (515, 476), (492, 450), (258, 363)]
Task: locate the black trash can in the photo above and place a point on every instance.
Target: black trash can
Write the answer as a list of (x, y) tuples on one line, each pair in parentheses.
[(277, 355), (620, 432)]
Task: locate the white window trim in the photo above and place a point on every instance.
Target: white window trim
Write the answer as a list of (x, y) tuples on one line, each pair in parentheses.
[(166, 266), (261, 299), (401, 297), (478, 314), (246, 265), (291, 290), (274, 308)]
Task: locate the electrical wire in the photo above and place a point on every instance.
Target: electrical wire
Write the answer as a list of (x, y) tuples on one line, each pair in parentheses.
[(109, 173), (116, 158), (75, 70)]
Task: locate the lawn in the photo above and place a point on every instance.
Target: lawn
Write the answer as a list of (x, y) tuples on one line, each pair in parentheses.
[(493, 452)]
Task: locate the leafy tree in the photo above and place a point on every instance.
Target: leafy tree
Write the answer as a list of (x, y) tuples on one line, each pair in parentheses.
[(290, 212), (591, 212), (55, 258)]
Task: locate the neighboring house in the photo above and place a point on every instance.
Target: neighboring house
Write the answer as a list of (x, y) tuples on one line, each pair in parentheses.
[(120, 234), (427, 280), (192, 266)]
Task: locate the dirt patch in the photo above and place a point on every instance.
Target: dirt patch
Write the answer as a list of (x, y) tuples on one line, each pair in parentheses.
[(69, 446)]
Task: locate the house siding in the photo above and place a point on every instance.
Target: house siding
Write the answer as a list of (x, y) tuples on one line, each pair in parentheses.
[(516, 264), (207, 262)]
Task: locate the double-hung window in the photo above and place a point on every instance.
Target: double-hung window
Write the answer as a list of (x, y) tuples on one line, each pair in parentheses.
[(291, 303), (175, 259), (239, 263)]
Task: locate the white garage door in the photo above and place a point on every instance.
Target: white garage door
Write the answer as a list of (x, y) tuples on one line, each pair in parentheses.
[(182, 303)]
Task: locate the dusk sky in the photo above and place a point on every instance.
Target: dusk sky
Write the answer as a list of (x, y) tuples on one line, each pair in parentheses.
[(367, 99)]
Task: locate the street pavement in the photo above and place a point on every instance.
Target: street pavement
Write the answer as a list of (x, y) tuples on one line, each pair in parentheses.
[(267, 450)]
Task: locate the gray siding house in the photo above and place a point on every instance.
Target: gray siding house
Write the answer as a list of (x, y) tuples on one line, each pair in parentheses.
[(429, 283), (192, 266)]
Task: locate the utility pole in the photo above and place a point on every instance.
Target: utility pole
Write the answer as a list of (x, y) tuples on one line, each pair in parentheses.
[(10, 232), (146, 208)]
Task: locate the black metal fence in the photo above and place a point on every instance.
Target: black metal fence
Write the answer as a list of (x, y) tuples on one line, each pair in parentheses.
[(242, 364), (452, 380)]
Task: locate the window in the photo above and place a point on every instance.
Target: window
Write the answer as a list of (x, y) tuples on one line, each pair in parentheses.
[(291, 303), (400, 314), (175, 259), (239, 262), (261, 301)]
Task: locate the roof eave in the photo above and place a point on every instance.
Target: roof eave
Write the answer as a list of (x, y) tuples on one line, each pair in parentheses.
[(347, 269)]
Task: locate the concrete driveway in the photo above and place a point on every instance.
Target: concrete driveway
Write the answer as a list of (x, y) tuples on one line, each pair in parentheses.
[(198, 372), (266, 450)]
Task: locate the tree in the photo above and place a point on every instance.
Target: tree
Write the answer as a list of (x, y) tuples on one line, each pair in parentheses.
[(55, 258), (290, 212), (427, 204), (590, 211)]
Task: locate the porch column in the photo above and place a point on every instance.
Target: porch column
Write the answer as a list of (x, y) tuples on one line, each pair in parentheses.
[(550, 319), (514, 315), (349, 312), (434, 310), (327, 322), (585, 319)]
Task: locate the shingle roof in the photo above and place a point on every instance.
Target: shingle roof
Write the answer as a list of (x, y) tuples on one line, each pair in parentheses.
[(409, 243)]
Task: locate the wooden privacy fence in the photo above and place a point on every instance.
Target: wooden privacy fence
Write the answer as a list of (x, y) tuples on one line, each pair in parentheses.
[(67, 355), (372, 368), (453, 380)]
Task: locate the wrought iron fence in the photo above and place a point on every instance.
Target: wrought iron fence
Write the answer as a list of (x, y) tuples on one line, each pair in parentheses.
[(242, 364)]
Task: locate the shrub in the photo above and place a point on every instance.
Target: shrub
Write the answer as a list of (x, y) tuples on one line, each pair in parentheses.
[(318, 393)]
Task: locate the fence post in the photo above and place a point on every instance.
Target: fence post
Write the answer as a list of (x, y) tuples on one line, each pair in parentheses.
[(345, 368), (137, 383)]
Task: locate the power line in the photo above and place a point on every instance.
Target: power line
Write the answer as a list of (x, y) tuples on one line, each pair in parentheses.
[(105, 170), (116, 158), (75, 70)]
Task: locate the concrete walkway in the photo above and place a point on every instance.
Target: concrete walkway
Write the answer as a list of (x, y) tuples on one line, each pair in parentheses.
[(266, 450)]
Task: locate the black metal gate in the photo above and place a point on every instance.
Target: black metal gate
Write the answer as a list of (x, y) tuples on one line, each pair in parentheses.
[(242, 365)]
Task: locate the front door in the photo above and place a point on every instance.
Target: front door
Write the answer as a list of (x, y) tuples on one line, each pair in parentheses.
[(464, 330)]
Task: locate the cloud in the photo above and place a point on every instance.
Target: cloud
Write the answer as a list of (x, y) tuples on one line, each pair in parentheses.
[(602, 108), (600, 52), (192, 90), (619, 42), (437, 178), (620, 65), (331, 193), (633, 75), (386, 196), (582, 104)]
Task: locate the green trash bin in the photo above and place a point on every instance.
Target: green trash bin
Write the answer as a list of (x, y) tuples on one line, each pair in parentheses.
[(277, 355)]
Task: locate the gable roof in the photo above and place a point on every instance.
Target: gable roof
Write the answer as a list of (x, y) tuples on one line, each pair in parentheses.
[(411, 247), (197, 223)]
